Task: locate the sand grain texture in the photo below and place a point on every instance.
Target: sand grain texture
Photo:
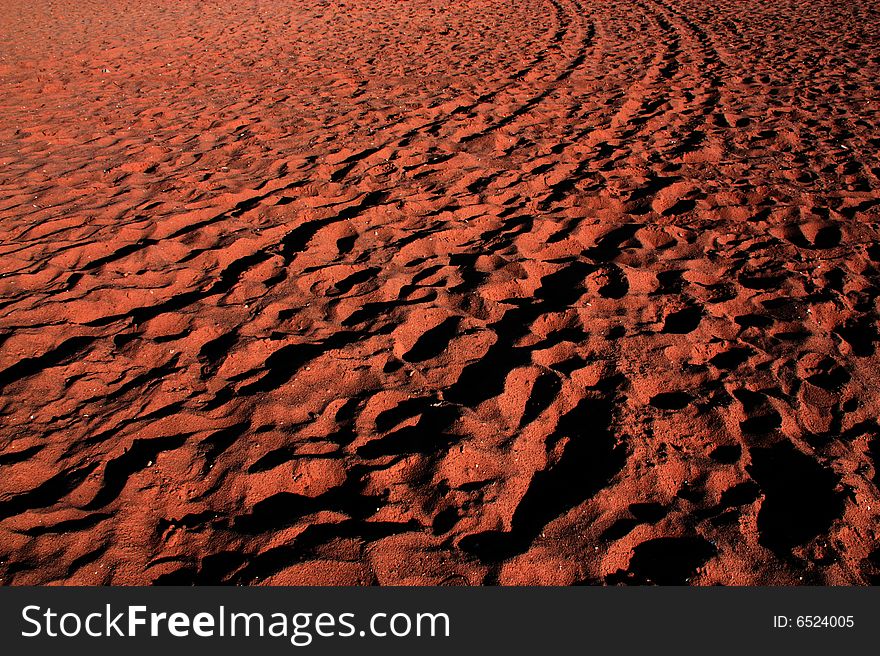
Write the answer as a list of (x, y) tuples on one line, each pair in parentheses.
[(428, 292)]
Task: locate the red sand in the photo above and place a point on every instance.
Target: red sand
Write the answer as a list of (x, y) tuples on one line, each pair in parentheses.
[(544, 291)]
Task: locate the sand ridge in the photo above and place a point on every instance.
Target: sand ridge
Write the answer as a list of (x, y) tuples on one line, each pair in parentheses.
[(370, 292)]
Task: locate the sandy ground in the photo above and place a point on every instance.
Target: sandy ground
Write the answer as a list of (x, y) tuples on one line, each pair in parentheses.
[(433, 292)]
